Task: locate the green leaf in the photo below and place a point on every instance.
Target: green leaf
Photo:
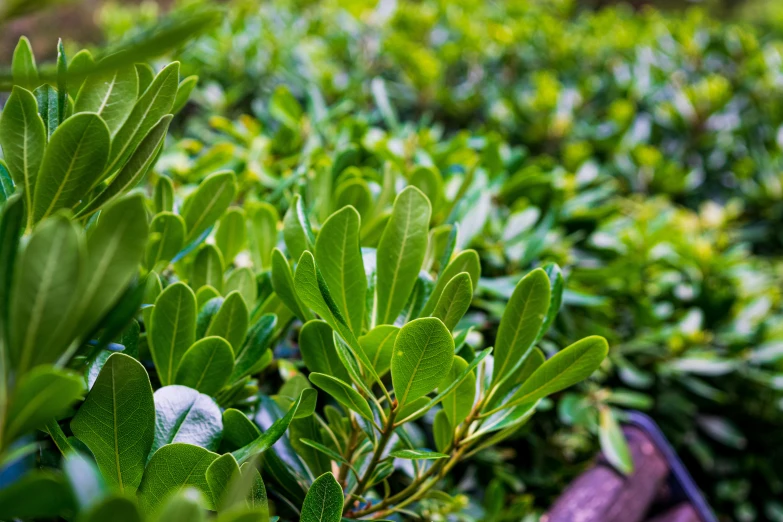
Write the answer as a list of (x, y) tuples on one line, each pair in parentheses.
[(71, 164), (146, 75), (85, 479), (283, 285), (613, 443), (339, 257), (343, 393), (533, 361), (163, 195), (316, 344), (266, 440), (46, 97), (459, 402), (114, 508), (417, 454), (38, 494), (117, 421), (567, 367), (521, 322), (326, 451), (297, 233), (243, 281), (324, 500), (40, 396), (401, 252), (430, 182), (155, 103), (212, 197), (454, 300), (134, 170), (167, 237), (284, 108), (172, 468), (238, 429), (115, 248), (185, 505), (184, 415), (255, 346), (111, 95), (7, 188), (207, 365), (378, 344), (466, 261), (186, 87), (231, 321), (442, 431), (23, 138), (173, 329), (220, 474), (23, 68), (230, 235), (262, 234), (557, 285), (44, 288), (207, 268), (423, 353)]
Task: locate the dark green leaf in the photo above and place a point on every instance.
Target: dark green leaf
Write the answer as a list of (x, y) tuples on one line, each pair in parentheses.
[(207, 365)]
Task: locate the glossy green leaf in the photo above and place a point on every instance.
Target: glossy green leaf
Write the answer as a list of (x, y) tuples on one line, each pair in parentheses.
[(343, 393), (140, 162), (155, 103), (23, 138), (73, 160), (167, 237), (423, 353), (117, 421), (231, 234), (417, 454), (521, 322), (23, 68), (220, 474), (316, 344), (454, 300), (613, 443), (255, 346), (172, 330), (378, 344), (297, 233), (183, 414), (237, 428), (324, 500), (173, 468), (203, 208), (466, 261), (401, 252), (207, 311), (459, 402), (40, 396), (339, 258), (184, 90), (207, 365), (44, 288), (231, 321), (111, 95), (47, 98), (283, 284), (207, 268)]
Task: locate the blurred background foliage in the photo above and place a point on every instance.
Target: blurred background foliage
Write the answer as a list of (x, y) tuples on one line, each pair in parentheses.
[(639, 148)]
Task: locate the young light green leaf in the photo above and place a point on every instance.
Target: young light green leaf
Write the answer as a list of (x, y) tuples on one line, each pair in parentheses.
[(417, 454), (208, 202), (40, 396), (184, 415), (297, 233), (167, 237), (231, 321), (207, 365), (400, 253), (266, 440), (466, 261), (173, 329), (111, 95), (378, 344), (134, 170), (423, 353), (243, 281), (163, 195), (186, 87), (262, 234), (44, 287), (155, 103), (220, 474), (71, 164), (343, 393), (459, 402), (324, 500), (283, 285), (557, 285), (520, 324), (316, 344), (117, 421), (569, 366), (172, 468), (454, 300), (339, 257), (230, 235), (613, 443), (255, 346), (23, 69), (23, 138)]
